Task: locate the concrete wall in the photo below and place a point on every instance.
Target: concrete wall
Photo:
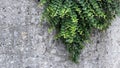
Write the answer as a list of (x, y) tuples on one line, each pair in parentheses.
[(25, 42)]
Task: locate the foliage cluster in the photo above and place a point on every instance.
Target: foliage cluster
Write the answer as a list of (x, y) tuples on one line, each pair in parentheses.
[(74, 20)]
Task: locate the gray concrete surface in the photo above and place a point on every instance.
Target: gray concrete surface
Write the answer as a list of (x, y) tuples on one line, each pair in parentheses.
[(25, 42)]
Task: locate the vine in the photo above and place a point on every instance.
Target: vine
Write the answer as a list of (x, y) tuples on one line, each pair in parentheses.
[(74, 20)]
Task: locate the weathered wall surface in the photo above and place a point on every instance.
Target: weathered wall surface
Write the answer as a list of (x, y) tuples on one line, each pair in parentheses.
[(25, 43)]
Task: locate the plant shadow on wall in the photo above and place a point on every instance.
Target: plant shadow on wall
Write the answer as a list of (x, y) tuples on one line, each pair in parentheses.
[(74, 20)]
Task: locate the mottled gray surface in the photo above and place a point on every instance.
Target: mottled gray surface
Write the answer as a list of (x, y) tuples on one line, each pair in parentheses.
[(25, 42)]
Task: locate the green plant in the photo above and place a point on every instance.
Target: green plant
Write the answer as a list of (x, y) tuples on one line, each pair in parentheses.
[(74, 20)]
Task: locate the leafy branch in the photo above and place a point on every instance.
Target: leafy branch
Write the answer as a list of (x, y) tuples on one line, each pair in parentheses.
[(74, 20)]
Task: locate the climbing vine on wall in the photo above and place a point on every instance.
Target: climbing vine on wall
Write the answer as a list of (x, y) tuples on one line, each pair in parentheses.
[(74, 20)]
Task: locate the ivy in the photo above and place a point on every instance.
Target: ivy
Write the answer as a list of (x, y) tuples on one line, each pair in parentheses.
[(74, 20)]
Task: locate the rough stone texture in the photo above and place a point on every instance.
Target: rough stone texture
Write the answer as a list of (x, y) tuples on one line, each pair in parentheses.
[(25, 42)]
